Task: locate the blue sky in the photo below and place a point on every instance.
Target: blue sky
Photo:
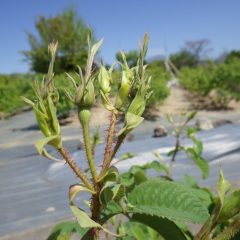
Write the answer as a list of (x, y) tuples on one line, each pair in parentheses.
[(123, 23)]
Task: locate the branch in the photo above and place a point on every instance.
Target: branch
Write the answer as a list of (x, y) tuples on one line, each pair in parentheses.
[(108, 149), (75, 168)]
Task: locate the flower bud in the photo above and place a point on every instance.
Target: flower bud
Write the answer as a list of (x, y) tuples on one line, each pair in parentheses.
[(45, 113), (138, 104), (104, 79), (89, 95), (124, 90), (131, 122), (107, 102), (48, 85), (85, 96), (84, 116)]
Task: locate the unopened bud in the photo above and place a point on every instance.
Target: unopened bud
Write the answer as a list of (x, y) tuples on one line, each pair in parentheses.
[(138, 104), (131, 122), (52, 48), (104, 79), (84, 116), (85, 96), (124, 90)]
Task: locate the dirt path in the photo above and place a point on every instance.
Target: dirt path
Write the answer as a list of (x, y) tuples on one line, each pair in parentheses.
[(178, 102)]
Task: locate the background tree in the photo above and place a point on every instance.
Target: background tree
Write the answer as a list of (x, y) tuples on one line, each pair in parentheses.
[(199, 48), (71, 33), (183, 58), (235, 54), (193, 53)]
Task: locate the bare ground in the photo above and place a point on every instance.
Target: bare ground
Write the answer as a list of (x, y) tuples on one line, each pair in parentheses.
[(179, 101)]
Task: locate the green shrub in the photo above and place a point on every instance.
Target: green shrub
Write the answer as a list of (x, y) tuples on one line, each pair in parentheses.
[(228, 76), (200, 80), (15, 85), (11, 88), (218, 83), (159, 81)]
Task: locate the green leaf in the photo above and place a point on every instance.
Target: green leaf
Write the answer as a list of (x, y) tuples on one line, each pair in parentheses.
[(126, 155), (199, 145), (157, 166), (42, 151), (111, 191), (82, 217), (231, 206), (127, 179), (64, 230), (72, 80), (86, 222), (203, 195), (111, 174), (168, 200), (200, 162), (139, 177), (139, 174), (53, 113), (163, 226), (110, 210), (137, 231), (28, 101), (190, 181), (77, 188)]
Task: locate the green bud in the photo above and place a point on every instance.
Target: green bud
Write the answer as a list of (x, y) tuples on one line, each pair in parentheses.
[(51, 124), (79, 95), (52, 113), (46, 116), (44, 108), (84, 116), (42, 122), (138, 104), (107, 102), (85, 96), (131, 122), (89, 96), (124, 90), (104, 79), (140, 83), (48, 85), (133, 116)]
